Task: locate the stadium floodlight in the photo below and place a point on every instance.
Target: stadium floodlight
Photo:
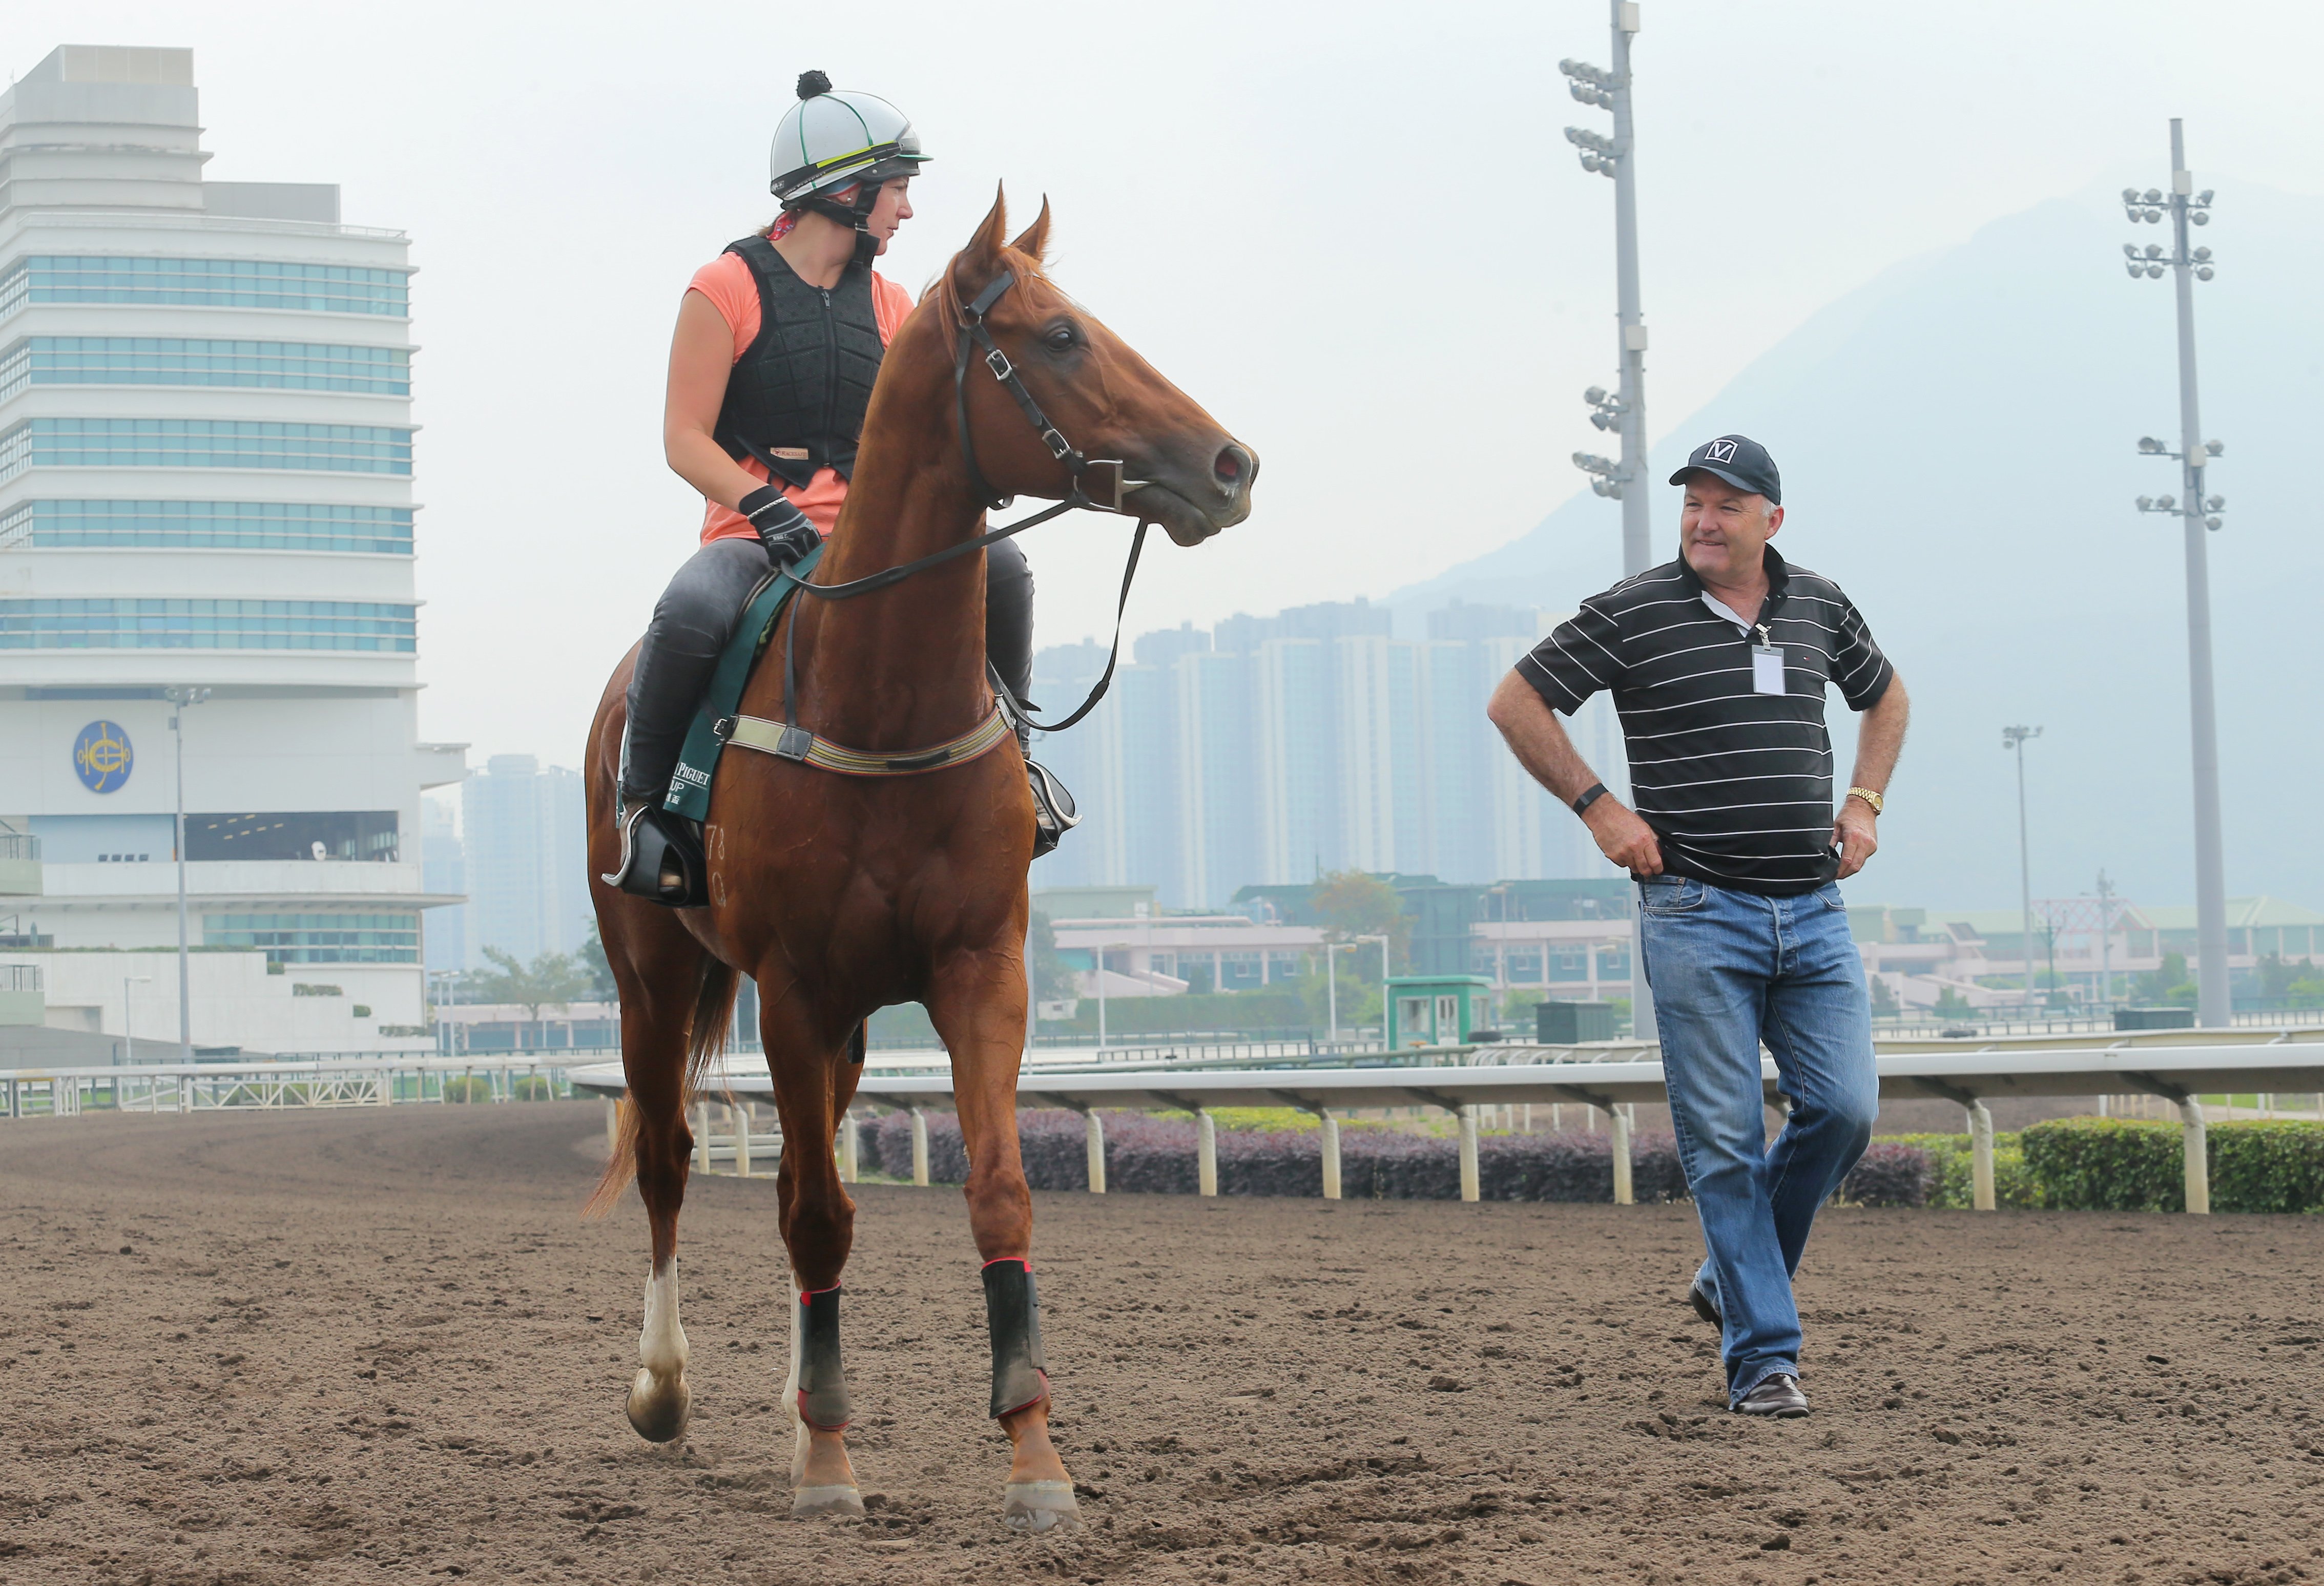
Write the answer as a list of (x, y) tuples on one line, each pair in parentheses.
[(2199, 515), (1616, 157), (2215, 446)]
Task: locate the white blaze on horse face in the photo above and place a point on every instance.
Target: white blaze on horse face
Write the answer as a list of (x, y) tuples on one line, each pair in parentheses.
[(662, 1342)]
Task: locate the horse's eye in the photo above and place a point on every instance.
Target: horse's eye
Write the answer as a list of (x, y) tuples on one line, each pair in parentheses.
[(1061, 339)]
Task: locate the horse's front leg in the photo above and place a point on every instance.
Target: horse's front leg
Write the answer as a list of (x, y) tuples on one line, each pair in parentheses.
[(977, 1003), (813, 1082)]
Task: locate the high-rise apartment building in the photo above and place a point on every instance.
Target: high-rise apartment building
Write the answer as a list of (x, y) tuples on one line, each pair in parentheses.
[(525, 844), (206, 481), (1273, 749)]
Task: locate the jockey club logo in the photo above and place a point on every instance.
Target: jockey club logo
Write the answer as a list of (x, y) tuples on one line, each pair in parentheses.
[(102, 757), (1718, 451)]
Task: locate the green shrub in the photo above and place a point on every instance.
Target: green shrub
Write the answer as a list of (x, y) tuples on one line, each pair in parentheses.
[(468, 1088), (534, 1087), (2119, 1165), (2014, 1187), (2267, 1166), (2109, 1164)]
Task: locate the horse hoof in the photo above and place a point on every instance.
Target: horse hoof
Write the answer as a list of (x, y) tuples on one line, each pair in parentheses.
[(1035, 1507), (656, 1410), (845, 1502)]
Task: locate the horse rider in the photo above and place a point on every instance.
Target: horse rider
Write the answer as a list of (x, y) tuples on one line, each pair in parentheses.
[(770, 371)]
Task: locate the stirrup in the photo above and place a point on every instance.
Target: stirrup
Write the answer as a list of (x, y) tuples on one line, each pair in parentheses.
[(1053, 814), (661, 860)]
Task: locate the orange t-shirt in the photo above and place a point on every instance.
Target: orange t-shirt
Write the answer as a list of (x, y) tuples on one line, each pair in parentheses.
[(727, 283)]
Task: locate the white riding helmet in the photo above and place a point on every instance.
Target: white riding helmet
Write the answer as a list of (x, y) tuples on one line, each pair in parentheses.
[(832, 139)]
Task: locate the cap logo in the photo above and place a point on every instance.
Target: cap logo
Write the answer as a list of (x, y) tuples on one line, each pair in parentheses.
[(1718, 451)]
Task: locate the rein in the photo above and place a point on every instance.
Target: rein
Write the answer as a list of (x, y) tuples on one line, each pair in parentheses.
[(788, 740)]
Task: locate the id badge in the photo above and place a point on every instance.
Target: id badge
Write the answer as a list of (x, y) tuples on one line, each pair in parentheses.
[(1767, 668)]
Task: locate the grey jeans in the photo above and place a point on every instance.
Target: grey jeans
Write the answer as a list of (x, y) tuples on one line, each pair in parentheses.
[(695, 617)]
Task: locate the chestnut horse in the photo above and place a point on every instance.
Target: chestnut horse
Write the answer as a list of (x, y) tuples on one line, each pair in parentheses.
[(840, 895)]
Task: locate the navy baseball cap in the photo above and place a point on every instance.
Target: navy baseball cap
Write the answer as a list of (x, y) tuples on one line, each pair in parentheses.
[(1741, 461)]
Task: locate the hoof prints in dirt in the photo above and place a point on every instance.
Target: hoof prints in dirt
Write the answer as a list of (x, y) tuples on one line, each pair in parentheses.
[(364, 1345)]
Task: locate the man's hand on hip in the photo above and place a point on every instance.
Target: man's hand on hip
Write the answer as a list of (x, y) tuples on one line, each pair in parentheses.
[(1624, 838), (1852, 829)]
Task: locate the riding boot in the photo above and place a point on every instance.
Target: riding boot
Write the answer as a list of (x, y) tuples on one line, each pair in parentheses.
[(1053, 814), (662, 852)]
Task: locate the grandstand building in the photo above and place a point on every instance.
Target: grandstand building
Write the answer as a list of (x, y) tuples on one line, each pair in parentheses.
[(206, 481)]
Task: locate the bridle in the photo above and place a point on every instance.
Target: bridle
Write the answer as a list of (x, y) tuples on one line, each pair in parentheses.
[(1105, 473)]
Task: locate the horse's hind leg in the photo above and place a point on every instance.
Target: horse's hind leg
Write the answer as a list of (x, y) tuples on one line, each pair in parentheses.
[(813, 1082)]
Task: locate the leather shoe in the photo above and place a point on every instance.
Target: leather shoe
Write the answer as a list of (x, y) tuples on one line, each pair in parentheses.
[(1775, 1394), (1704, 1306)]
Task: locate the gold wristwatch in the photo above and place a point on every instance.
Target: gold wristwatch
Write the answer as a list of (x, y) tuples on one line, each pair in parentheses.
[(1870, 796)]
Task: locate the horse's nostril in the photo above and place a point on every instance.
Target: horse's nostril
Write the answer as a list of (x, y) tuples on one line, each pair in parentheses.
[(1233, 465)]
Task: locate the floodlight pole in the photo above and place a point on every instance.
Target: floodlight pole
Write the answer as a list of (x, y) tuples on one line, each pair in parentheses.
[(2210, 857), (1624, 478), (2198, 515), (183, 699), (2014, 740)]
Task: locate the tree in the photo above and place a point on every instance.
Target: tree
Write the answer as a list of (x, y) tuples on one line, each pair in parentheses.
[(552, 980), (1883, 1000), (1052, 981), (2169, 983), (1350, 903), (592, 958), (1951, 1004)]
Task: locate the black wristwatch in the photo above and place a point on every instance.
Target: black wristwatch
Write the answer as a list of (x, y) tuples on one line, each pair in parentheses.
[(1589, 795)]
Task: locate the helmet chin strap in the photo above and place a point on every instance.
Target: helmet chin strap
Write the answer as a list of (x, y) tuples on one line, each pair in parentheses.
[(856, 217)]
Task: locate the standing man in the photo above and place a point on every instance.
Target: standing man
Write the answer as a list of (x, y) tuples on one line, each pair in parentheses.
[(1717, 663)]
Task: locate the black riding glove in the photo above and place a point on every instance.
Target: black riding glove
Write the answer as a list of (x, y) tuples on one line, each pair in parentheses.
[(785, 530)]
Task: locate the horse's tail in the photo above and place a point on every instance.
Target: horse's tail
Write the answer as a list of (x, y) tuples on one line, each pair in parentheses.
[(705, 1041)]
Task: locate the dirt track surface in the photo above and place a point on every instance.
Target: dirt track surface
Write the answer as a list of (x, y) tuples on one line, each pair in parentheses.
[(364, 1346)]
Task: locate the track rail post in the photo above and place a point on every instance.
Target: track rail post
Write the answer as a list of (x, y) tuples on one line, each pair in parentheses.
[(1093, 1133), (921, 1147), (848, 1160), (2195, 1136), (1206, 1152), (740, 1112), (1471, 1188), (1330, 1153), (702, 1136), (1619, 1127), (1980, 1157)]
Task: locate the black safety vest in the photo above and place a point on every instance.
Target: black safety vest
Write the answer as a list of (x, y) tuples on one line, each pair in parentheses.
[(796, 398)]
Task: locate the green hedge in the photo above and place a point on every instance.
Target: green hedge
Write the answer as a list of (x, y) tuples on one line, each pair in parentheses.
[(2267, 1166), (2122, 1164), (2013, 1183)]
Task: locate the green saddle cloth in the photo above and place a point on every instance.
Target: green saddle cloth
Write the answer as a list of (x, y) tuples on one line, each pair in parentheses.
[(697, 763)]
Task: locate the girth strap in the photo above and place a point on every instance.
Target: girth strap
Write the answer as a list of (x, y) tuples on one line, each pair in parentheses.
[(797, 744)]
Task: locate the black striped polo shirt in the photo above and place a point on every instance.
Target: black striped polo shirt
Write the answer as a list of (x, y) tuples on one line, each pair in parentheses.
[(1737, 784)]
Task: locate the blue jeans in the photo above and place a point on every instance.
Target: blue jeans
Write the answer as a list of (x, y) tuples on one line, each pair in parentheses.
[(1731, 970)]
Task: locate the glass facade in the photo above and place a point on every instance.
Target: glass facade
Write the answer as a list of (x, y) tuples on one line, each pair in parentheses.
[(203, 443), (319, 938), (161, 360), (129, 623), (212, 283), (198, 525)]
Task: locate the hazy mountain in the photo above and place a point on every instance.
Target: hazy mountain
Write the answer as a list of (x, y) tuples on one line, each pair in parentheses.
[(1957, 441)]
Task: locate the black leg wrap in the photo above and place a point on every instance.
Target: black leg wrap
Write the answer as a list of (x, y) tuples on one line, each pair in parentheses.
[(822, 1383), (1013, 1313)]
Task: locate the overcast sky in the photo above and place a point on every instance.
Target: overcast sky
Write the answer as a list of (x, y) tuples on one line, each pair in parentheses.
[(1363, 242)]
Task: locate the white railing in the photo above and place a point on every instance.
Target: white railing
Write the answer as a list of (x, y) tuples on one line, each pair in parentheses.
[(324, 1082)]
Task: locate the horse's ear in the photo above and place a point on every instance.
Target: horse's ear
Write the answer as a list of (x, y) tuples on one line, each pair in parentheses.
[(980, 261), (1034, 244)]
